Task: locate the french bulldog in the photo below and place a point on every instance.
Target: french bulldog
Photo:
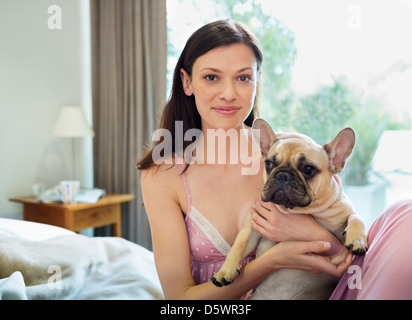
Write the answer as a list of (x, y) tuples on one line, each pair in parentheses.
[(300, 177)]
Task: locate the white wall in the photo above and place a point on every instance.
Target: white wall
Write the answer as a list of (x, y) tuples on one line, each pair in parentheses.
[(40, 71)]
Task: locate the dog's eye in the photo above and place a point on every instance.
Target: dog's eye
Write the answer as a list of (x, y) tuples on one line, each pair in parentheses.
[(269, 166), (308, 171)]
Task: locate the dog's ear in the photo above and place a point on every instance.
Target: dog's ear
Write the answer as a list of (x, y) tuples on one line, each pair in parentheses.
[(340, 149), (264, 136)]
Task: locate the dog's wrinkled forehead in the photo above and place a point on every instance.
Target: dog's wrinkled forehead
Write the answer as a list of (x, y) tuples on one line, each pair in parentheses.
[(295, 152)]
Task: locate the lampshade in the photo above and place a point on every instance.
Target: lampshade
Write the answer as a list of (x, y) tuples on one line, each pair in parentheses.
[(71, 122)]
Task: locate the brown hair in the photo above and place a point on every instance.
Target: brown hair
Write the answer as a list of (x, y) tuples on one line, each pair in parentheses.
[(181, 107)]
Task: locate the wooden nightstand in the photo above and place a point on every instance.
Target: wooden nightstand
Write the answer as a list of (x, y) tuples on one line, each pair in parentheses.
[(79, 216)]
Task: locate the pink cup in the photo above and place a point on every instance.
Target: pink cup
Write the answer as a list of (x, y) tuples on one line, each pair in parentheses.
[(69, 190)]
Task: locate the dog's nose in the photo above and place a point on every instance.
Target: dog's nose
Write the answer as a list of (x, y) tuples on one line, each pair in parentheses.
[(283, 176)]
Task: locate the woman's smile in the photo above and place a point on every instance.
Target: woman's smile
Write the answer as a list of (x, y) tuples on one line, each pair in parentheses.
[(227, 110)]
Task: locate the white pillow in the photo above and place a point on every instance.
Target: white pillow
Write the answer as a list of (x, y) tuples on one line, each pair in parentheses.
[(30, 230)]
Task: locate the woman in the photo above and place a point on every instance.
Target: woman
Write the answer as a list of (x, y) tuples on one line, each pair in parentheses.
[(214, 91)]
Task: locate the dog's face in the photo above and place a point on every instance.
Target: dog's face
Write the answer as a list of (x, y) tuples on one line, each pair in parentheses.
[(298, 172)]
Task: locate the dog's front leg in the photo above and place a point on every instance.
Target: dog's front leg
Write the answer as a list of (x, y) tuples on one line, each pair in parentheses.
[(355, 237), (245, 242)]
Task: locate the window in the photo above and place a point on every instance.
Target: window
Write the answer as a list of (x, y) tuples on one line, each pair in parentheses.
[(329, 65)]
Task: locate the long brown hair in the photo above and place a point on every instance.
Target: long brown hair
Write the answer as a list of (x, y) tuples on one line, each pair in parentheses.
[(181, 107)]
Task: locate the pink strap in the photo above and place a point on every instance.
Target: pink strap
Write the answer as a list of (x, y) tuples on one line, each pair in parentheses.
[(189, 200), (338, 180)]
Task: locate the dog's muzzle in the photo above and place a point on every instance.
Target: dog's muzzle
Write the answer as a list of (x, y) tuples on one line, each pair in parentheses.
[(284, 187)]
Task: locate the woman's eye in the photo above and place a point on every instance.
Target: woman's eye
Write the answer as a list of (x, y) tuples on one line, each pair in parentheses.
[(245, 78), (211, 77)]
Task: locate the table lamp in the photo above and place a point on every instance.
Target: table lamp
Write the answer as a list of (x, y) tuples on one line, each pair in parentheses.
[(72, 123)]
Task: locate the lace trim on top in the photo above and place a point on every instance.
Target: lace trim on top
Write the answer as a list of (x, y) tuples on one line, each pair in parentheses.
[(208, 229)]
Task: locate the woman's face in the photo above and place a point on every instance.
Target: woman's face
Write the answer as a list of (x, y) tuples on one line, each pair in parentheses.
[(223, 82)]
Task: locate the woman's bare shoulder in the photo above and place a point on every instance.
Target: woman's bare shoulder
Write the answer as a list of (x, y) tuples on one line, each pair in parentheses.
[(160, 175), (162, 192)]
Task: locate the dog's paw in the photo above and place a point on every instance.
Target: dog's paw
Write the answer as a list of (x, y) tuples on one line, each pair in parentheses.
[(225, 277), (356, 243)]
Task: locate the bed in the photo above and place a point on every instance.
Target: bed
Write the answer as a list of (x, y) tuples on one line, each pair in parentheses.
[(39, 261)]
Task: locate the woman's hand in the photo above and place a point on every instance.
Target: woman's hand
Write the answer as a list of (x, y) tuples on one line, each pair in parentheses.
[(279, 227), (307, 256)]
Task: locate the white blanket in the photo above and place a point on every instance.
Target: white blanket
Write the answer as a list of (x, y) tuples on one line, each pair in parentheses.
[(76, 267)]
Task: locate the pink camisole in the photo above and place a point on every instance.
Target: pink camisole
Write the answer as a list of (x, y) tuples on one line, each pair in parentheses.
[(208, 248)]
